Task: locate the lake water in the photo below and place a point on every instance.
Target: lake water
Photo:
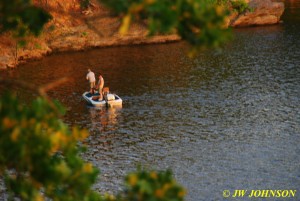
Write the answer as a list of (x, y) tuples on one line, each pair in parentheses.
[(227, 119)]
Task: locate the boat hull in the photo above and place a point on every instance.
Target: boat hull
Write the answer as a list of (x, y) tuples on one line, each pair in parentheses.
[(88, 97)]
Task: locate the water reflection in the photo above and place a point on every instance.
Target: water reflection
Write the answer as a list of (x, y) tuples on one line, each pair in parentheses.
[(104, 119)]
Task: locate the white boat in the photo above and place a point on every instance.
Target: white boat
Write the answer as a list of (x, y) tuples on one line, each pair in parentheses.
[(110, 99)]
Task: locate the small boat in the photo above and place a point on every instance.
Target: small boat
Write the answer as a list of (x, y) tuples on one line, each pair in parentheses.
[(109, 99)]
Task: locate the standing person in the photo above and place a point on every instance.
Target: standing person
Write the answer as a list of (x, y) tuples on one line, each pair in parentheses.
[(100, 86), (91, 78)]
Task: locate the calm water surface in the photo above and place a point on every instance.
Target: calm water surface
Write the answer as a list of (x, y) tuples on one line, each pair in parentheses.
[(228, 119)]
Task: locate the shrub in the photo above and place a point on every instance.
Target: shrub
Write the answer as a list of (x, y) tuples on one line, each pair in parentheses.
[(152, 186), (240, 6), (39, 153)]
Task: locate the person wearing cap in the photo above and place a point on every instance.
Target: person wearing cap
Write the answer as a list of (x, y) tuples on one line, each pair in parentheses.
[(100, 86), (91, 78)]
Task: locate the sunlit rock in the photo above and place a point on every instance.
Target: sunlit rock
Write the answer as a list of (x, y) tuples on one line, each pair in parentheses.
[(264, 12)]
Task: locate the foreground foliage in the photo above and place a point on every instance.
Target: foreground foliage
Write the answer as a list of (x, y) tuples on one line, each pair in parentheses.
[(240, 6), (152, 186), (199, 22), (202, 23), (39, 153), (40, 159), (22, 17)]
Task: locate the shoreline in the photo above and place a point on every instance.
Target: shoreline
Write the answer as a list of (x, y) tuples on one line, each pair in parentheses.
[(26, 56)]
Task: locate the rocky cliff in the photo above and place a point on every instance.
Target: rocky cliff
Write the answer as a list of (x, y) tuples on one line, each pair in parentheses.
[(75, 29), (264, 13)]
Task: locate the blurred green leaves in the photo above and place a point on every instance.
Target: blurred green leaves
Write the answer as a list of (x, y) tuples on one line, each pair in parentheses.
[(22, 17), (39, 154), (241, 6), (199, 22), (152, 186), (202, 23)]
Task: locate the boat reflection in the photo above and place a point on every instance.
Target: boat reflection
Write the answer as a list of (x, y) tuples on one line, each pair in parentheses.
[(104, 119), (104, 123)]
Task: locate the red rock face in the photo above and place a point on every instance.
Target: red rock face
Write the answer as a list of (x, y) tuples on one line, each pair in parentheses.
[(264, 12)]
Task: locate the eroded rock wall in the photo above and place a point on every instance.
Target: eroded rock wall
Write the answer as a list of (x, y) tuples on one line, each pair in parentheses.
[(265, 12)]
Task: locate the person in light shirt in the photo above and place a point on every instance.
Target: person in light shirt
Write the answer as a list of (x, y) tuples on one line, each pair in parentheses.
[(91, 78)]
